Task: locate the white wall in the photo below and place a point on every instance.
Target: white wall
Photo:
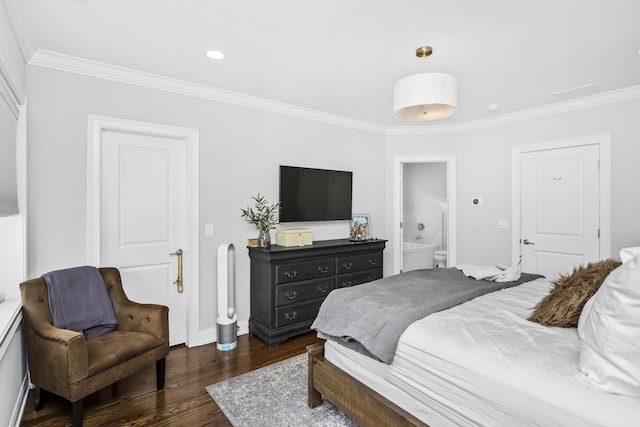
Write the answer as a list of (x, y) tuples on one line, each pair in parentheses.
[(240, 151), (484, 169)]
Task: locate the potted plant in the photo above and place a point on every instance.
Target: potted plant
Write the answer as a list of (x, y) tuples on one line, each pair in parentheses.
[(263, 216)]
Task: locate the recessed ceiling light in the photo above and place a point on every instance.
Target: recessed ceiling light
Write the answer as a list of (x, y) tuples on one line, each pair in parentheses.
[(215, 54), (493, 107)]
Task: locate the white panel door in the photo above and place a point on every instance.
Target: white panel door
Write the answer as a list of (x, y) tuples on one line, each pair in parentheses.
[(560, 209), (143, 212)]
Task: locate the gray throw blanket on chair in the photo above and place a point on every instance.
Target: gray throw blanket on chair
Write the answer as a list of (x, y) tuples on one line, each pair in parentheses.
[(79, 301)]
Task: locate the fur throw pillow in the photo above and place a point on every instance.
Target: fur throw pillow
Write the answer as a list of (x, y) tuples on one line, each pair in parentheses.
[(563, 305)]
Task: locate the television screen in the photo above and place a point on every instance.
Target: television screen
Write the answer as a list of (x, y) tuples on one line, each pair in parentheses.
[(314, 194)]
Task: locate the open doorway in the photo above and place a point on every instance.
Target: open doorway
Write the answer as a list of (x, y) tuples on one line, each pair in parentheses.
[(424, 215), (424, 212)]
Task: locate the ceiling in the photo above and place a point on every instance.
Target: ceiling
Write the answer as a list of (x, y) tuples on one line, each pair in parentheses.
[(343, 56)]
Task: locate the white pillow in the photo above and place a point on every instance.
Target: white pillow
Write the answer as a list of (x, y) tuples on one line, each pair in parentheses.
[(627, 253), (609, 330)]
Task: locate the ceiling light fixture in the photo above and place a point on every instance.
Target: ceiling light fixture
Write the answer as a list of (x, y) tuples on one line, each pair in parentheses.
[(215, 54), (425, 96)]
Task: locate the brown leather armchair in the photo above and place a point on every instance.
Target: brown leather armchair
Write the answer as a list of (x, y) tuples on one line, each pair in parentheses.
[(63, 362)]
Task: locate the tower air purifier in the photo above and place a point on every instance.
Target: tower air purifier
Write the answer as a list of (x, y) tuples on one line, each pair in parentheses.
[(227, 320)]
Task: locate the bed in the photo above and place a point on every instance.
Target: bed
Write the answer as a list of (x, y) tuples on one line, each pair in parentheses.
[(480, 362)]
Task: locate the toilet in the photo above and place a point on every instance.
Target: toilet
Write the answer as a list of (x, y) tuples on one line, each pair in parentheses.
[(440, 259)]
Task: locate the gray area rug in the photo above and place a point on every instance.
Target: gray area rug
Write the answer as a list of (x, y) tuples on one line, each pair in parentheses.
[(275, 395)]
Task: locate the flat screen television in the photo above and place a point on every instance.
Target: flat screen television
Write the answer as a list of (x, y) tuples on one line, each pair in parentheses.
[(308, 194)]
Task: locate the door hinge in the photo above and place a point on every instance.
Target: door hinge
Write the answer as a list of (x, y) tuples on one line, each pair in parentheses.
[(598, 233), (598, 164), (400, 224)]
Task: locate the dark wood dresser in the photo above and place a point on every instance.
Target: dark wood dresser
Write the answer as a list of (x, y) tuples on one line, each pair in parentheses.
[(288, 284)]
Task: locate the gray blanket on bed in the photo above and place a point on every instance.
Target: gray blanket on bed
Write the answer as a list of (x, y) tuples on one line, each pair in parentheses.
[(370, 318)]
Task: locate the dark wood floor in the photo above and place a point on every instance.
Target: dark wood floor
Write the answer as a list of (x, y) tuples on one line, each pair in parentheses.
[(134, 400)]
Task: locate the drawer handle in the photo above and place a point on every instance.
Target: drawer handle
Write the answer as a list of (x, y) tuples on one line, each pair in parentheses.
[(291, 316), (291, 295), (291, 275), (347, 266), (323, 290), (323, 269), (347, 284), (373, 261)]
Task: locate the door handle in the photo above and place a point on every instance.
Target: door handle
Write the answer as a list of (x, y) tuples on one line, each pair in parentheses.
[(527, 242), (178, 282)]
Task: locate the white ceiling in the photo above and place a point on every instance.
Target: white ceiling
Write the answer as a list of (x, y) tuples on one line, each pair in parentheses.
[(343, 56)]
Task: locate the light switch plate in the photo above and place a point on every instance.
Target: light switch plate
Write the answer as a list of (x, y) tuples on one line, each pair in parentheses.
[(208, 229), (503, 223)]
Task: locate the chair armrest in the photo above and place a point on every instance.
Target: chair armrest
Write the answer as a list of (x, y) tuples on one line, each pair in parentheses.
[(152, 319), (51, 346)]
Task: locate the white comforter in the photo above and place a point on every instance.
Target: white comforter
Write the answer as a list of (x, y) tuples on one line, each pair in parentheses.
[(483, 363)]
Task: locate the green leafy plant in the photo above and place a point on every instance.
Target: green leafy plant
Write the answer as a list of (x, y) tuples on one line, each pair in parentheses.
[(262, 214)]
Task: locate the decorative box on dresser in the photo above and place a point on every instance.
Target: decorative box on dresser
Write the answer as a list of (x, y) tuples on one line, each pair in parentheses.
[(288, 284)]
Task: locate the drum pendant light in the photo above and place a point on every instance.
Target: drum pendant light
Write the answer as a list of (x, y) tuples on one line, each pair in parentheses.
[(425, 96)]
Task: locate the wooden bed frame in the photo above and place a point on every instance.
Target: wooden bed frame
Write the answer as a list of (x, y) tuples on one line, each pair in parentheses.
[(362, 404)]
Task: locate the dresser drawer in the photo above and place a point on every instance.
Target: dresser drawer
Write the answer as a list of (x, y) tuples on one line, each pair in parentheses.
[(295, 313), (305, 270), (349, 264), (291, 293), (352, 279)]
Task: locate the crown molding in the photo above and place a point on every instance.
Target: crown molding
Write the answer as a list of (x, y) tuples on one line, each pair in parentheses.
[(619, 95), (58, 61)]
